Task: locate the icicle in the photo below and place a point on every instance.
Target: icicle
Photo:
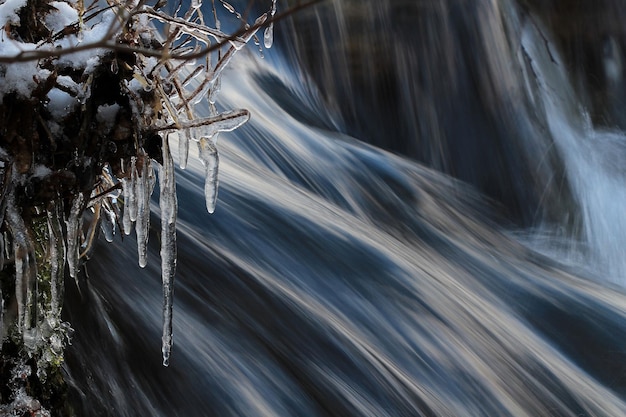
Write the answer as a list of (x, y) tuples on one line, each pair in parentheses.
[(25, 271), (132, 197), (145, 185), (217, 21), (57, 256), (5, 179), (127, 189), (7, 248), (268, 35), (209, 157), (215, 89), (73, 234), (257, 43), (107, 223), (183, 147), (169, 206), (2, 250), (1, 319), (228, 7)]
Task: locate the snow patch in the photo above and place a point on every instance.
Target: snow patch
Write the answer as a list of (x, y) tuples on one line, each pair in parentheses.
[(107, 114), (64, 15), (19, 77), (8, 11), (61, 103)]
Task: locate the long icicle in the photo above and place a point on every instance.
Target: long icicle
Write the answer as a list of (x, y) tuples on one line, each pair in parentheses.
[(169, 206), (25, 272), (127, 188), (57, 256), (1, 318), (132, 197), (73, 234), (145, 186)]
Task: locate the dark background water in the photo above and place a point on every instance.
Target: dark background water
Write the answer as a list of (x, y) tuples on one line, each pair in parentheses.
[(409, 225)]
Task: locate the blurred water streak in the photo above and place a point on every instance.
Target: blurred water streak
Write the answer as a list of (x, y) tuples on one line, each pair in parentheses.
[(338, 279)]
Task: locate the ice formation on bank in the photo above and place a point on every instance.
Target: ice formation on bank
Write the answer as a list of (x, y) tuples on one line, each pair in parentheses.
[(107, 89)]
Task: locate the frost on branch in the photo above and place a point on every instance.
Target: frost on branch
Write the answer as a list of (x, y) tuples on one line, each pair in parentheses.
[(88, 97)]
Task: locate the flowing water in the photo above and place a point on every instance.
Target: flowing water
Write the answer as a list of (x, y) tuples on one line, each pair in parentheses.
[(423, 217)]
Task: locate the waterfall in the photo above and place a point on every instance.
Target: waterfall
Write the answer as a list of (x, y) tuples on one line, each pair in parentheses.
[(421, 218)]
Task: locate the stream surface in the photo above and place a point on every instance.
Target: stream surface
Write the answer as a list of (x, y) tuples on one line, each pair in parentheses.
[(425, 216)]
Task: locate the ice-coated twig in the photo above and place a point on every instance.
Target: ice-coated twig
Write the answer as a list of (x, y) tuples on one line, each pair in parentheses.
[(210, 159), (57, 256), (25, 267), (223, 122), (196, 30), (73, 234), (169, 207)]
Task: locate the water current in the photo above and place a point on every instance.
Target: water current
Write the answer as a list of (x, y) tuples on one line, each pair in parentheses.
[(423, 217)]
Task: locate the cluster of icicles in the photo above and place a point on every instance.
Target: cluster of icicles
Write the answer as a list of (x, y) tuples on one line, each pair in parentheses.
[(180, 89)]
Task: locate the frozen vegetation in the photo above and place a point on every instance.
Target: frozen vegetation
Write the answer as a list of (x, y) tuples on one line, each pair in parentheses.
[(89, 96)]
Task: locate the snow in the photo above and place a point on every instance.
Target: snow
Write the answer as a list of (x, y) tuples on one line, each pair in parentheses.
[(107, 114), (23, 77), (41, 171), (64, 15), (19, 77), (88, 59), (61, 103), (8, 11)]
